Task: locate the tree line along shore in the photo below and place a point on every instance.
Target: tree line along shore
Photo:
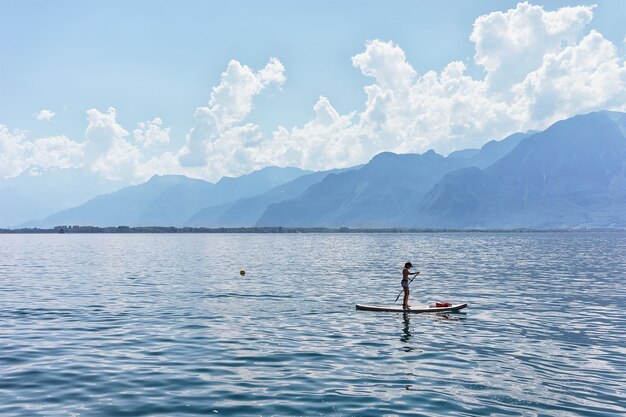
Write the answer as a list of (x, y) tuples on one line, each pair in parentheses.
[(172, 229)]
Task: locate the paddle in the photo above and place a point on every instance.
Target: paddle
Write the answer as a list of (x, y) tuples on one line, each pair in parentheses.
[(409, 284)]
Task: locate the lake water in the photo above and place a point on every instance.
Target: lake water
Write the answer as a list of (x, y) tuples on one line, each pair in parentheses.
[(164, 325)]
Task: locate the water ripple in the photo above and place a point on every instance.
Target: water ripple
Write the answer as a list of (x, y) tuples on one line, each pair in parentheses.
[(164, 325)]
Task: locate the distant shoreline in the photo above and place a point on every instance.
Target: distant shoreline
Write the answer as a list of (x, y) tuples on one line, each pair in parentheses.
[(275, 230)]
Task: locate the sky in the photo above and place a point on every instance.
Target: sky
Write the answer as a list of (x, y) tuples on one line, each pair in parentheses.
[(129, 89)]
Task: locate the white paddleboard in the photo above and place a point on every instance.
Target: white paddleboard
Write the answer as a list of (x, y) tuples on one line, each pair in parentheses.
[(418, 309)]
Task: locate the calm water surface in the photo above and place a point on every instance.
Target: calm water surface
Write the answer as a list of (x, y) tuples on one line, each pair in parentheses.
[(163, 325)]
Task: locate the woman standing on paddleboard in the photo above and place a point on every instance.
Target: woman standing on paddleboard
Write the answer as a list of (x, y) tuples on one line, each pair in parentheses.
[(405, 283)]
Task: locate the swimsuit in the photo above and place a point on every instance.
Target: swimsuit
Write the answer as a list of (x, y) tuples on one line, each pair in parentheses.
[(405, 283)]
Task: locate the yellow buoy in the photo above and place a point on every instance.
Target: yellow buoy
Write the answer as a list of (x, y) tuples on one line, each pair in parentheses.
[(242, 272)]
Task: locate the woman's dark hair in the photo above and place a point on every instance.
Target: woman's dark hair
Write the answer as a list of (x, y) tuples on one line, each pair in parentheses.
[(408, 265)]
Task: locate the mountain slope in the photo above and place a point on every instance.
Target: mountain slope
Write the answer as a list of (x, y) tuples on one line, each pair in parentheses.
[(126, 206), (571, 174), (166, 200), (370, 196), (379, 194), (245, 212), (37, 194)]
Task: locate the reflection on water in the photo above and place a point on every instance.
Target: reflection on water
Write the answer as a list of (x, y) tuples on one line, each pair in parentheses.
[(405, 336), (164, 325), (406, 332)]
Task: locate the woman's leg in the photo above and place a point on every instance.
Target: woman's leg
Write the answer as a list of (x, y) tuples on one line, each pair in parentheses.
[(405, 302)]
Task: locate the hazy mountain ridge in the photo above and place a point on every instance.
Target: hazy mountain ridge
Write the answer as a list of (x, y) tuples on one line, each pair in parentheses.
[(38, 193), (123, 207), (573, 174), (382, 192), (246, 211), (372, 195), (167, 200)]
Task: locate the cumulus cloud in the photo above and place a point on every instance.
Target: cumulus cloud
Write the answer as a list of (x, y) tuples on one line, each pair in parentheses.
[(583, 77), (386, 63), (121, 161), (46, 115), (108, 151), (511, 44), (113, 154), (150, 133), (230, 103), (539, 66), (12, 150), (102, 131), (56, 152), (329, 139), (115, 157), (18, 152), (404, 112)]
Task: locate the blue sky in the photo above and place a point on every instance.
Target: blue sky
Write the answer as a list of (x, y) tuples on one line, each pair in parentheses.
[(150, 60)]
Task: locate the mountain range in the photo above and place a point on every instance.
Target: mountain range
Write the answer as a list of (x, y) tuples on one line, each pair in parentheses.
[(38, 193), (381, 192), (167, 200), (572, 174), (245, 212)]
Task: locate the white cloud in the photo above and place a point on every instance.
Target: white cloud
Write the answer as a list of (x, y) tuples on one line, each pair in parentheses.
[(511, 44), (230, 103), (116, 157), (236, 151), (164, 164), (580, 78), (102, 130), (12, 150), (150, 133), (18, 152), (540, 66), (385, 62), (108, 151), (46, 115), (329, 139), (56, 152), (121, 162), (403, 112)]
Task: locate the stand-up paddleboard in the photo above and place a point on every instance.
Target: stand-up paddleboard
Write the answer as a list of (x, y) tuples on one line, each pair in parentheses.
[(418, 309)]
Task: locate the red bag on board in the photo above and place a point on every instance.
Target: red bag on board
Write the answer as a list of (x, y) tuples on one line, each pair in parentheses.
[(442, 304)]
